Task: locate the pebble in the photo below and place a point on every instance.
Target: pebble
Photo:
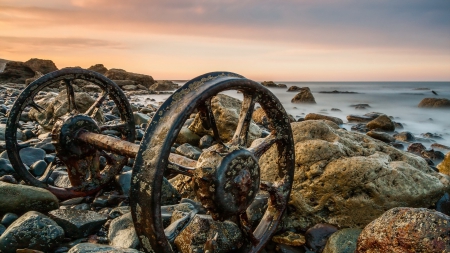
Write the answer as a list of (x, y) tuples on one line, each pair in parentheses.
[(9, 218), (317, 236)]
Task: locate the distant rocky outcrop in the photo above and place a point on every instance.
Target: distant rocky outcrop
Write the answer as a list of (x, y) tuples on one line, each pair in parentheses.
[(41, 66), (120, 74), (434, 103), (294, 88), (316, 116), (20, 72), (99, 68), (163, 85), (339, 92), (304, 96), (271, 84)]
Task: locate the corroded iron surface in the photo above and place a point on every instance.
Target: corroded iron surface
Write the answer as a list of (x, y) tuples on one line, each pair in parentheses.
[(239, 169), (82, 161)]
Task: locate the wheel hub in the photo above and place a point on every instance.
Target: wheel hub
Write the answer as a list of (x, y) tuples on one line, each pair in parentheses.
[(227, 184), (64, 135)]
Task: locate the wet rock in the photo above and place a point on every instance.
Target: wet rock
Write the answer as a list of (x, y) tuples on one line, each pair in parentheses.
[(119, 211), (315, 116), (22, 198), (440, 146), (434, 103), (226, 111), (40, 65), (38, 168), (206, 141), (120, 74), (290, 238), (202, 228), (294, 88), (78, 223), (271, 84), (57, 106), (416, 148), (360, 127), (187, 136), (31, 155), (140, 118), (15, 72), (443, 204), (19, 134), (317, 236), (99, 68), (405, 136), (32, 230), (189, 151), (6, 167), (8, 179), (432, 154), (406, 230), (9, 218), (382, 122), (169, 195), (99, 248), (163, 85), (348, 179), (343, 241), (2, 229), (124, 181), (384, 137), (444, 166), (122, 233), (359, 118), (304, 96)]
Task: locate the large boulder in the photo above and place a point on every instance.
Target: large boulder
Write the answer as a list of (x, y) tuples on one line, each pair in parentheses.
[(348, 179), (16, 72), (406, 230), (41, 66), (120, 74), (434, 103), (444, 166), (304, 96), (17, 198), (99, 68), (78, 223), (122, 233), (57, 106), (226, 111), (32, 230)]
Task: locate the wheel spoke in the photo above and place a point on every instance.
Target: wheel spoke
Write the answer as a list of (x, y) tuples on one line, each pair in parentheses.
[(180, 169), (262, 147), (92, 111), (246, 227), (245, 117), (36, 106), (70, 95), (208, 120)]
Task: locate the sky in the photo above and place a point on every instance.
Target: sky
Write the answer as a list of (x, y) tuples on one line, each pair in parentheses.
[(282, 40)]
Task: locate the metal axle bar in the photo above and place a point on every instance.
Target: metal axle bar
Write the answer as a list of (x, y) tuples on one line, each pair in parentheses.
[(125, 148)]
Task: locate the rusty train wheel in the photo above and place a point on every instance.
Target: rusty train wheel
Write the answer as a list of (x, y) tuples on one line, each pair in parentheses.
[(80, 158), (222, 203)]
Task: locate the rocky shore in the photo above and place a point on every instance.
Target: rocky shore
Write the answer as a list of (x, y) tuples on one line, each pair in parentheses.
[(375, 188)]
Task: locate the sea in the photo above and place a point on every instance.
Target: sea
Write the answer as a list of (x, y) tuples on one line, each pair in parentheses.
[(396, 99)]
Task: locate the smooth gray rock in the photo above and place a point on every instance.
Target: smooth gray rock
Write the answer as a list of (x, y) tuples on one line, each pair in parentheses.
[(122, 233), (8, 219), (6, 168), (140, 118), (31, 155), (78, 223), (19, 134), (32, 230), (343, 241), (18, 199), (189, 151), (99, 248)]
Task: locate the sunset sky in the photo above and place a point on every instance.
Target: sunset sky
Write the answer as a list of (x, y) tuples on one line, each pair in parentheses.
[(283, 40)]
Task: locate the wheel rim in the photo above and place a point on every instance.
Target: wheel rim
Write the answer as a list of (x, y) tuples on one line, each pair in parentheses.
[(152, 158), (26, 98)]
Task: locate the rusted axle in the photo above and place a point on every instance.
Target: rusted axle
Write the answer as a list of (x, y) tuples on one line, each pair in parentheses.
[(125, 148)]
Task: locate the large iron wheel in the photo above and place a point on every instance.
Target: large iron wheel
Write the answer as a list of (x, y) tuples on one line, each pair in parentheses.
[(81, 159), (222, 202)]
